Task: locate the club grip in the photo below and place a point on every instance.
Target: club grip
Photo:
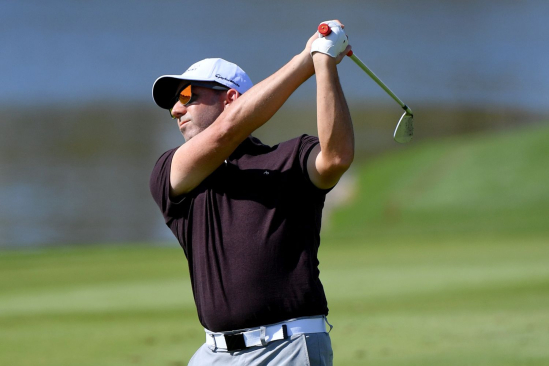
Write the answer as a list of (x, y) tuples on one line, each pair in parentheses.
[(324, 29)]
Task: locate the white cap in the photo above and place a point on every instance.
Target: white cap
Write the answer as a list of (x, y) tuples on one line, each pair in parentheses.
[(211, 69)]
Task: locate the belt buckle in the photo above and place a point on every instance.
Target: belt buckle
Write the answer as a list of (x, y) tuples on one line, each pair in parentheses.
[(234, 342)]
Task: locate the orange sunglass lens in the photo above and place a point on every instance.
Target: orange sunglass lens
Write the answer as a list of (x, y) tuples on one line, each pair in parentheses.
[(185, 95)]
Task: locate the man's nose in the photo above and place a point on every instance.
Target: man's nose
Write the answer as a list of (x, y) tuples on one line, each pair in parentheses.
[(179, 110)]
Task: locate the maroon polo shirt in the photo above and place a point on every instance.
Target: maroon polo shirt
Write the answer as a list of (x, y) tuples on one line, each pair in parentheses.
[(250, 232)]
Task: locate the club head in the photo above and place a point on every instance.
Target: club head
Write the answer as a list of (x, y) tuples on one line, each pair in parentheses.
[(405, 129)]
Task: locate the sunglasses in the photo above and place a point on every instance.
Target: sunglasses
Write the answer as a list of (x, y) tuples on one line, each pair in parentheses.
[(186, 96)]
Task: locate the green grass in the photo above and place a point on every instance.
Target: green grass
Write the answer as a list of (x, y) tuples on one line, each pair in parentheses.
[(476, 303), (484, 186), (96, 306), (441, 259), (473, 303)]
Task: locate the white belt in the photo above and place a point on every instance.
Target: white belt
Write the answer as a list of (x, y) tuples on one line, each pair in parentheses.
[(260, 336)]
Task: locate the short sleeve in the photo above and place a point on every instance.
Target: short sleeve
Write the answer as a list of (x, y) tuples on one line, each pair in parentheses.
[(159, 185), (306, 144)]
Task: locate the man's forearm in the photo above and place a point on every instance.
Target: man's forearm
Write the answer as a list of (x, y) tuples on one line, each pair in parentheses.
[(261, 102), (335, 128)]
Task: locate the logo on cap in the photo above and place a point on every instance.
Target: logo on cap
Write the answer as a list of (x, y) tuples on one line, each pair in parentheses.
[(229, 80)]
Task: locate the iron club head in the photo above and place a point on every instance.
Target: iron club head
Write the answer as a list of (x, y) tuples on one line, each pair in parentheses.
[(405, 128)]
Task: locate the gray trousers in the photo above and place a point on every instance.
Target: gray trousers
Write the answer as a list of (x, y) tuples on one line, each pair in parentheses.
[(312, 349)]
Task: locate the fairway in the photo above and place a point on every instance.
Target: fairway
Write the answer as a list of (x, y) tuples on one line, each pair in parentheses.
[(413, 304), (430, 304), (442, 258)]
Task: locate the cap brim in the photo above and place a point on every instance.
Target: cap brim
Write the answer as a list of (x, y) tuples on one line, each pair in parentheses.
[(165, 89)]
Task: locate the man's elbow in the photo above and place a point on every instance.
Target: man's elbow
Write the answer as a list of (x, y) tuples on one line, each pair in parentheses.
[(328, 169), (227, 132), (336, 167), (342, 162)]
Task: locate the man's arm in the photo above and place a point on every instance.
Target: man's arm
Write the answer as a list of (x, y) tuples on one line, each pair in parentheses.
[(205, 152), (333, 156)]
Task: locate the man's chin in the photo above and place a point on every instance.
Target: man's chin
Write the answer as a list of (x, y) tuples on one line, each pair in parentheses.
[(187, 136)]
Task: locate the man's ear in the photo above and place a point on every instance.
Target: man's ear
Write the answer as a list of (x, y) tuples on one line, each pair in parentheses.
[(231, 96)]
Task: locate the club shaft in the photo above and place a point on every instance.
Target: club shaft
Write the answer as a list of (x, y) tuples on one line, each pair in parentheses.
[(379, 82)]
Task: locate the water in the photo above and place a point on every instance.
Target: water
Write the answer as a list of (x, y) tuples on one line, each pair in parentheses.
[(79, 133), (467, 52)]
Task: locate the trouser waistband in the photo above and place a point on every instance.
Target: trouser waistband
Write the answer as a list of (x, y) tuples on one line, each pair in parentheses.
[(261, 336)]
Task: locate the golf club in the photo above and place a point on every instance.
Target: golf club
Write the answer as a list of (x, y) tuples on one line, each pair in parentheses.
[(405, 128)]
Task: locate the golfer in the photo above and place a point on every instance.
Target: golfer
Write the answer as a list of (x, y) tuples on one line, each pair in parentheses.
[(248, 215)]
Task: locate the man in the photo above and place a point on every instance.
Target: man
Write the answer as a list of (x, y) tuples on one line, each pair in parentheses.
[(248, 215)]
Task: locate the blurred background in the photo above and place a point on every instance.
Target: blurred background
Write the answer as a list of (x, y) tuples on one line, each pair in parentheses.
[(79, 135), (80, 132)]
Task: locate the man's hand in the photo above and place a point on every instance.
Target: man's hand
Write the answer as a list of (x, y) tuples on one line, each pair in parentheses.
[(332, 44), (316, 36)]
